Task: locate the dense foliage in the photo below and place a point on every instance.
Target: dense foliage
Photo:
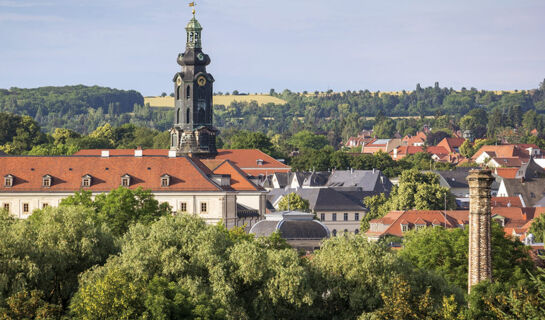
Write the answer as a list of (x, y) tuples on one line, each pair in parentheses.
[(415, 191)]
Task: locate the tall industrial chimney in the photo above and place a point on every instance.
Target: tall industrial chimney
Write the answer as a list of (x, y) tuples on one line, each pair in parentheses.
[(480, 261)]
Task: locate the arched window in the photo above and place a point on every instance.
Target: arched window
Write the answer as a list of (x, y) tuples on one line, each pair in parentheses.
[(187, 116), (179, 93), (178, 112), (188, 92)]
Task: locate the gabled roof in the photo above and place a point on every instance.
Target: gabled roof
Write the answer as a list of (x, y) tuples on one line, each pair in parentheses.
[(406, 150), (67, 173), (531, 191), (508, 173), (394, 219), (245, 159), (508, 162), (455, 178), (366, 180), (530, 170), (506, 151), (239, 180), (451, 143), (505, 202), (438, 150)]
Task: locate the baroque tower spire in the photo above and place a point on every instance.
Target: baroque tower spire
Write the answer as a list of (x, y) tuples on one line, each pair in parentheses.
[(193, 132)]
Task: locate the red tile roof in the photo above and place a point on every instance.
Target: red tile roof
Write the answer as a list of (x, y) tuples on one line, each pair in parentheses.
[(239, 181), (451, 143), (508, 173), (518, 219), (67, 173), (506, 202), (506, 151), (245, 159)]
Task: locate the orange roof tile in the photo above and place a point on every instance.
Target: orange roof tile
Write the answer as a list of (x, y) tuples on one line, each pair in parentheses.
[(239, 181), (245, 159), (505, 202), (508, 173), (67, 173)]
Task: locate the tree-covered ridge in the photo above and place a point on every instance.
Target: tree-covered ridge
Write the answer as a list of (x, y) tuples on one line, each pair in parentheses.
[(336, 115), (80, 108)]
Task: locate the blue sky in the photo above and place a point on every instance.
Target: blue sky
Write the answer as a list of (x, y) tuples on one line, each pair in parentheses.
[(261, 44)]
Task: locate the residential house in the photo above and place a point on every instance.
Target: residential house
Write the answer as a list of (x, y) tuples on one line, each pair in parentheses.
[(384, 145), (419, 139), (516, 221), (511, 155), (452, 145)]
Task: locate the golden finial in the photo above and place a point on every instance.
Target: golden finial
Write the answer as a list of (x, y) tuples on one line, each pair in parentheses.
[(192, 4)]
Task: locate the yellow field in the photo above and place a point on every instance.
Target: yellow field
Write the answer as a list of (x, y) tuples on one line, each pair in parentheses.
[(261, 99)]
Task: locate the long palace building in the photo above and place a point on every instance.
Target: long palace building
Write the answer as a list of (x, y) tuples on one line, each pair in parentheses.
[(193, 176)]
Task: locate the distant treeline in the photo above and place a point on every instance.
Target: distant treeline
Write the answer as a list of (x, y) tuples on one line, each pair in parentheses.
[(336, 115), (81, 108)]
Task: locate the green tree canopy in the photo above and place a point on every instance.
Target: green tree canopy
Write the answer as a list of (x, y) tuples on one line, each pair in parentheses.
[(121, 207), (293, 201)]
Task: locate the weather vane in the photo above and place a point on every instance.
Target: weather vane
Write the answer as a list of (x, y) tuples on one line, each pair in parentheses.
[(192, 4)]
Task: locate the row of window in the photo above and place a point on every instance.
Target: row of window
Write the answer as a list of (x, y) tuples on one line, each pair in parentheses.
[(345, 217), (183, 207), (26, 207), (406, 227), (86, 180), (334, 231), (204, 207)]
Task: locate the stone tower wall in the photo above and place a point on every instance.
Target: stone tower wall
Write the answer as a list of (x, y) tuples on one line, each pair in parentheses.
[(480, 261)]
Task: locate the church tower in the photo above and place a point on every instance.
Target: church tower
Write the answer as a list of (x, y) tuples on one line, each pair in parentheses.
[(193, 133)]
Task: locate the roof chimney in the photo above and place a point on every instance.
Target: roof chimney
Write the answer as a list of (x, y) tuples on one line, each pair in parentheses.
[(172, 153), (105, 153), (138, 152)]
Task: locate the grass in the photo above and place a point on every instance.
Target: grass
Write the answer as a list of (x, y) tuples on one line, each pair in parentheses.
[(226, 100)]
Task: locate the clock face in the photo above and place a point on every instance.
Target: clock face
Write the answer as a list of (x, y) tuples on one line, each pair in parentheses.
[(201, 81), (200, 56), (179, 80)]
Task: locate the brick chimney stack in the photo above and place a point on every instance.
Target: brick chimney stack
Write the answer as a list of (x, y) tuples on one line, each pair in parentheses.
[(480, 267)]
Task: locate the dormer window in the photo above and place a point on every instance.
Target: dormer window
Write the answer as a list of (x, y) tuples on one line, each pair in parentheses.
[(259, 162), (404, 227), (8, 181), (165, 180), (86, 181), (46, 181), (420, 226), (125, 180)]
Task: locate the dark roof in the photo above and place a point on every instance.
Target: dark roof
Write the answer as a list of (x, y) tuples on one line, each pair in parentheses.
[(530, 170), (282, 178), (455, 178), (309, 229), (316, 179), (367, 180), (326, 199), (531, 191), (245, 212), (291, 225)]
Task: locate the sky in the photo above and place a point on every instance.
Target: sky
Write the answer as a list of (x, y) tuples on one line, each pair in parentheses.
[(256, 45)]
